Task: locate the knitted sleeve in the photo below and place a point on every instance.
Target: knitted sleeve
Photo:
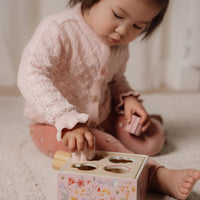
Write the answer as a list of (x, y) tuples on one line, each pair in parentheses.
[(45, 51), (120, 88)]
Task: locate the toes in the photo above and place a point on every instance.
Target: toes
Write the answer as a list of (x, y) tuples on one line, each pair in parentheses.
[(188, 182), (197, 175), (185, 191), (194, 173), (189, 179), (186, 187)]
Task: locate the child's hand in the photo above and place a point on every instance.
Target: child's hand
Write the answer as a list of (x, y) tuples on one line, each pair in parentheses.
[(133, 106), (75, 138)]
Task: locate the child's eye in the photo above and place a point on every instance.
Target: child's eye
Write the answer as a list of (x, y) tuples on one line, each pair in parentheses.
[(117, 16), (136, 26)]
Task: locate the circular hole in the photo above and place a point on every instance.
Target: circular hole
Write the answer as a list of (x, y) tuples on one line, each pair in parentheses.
[(116, 169), (86, 167), (123, 160)]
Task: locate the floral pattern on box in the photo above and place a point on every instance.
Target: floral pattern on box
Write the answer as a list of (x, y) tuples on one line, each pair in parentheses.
[(95, 188)]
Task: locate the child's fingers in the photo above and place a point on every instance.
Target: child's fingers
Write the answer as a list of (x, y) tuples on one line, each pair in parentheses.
[(143, 116), (80, 142), (144, 119), (128, 115), (90, 139), (72, 144), (65, 141), (146, 125)]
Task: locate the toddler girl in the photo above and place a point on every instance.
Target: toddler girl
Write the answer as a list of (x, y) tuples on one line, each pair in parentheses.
[(72, 77)]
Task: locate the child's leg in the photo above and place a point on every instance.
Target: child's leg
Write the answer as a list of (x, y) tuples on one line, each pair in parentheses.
[(106, 142), (177, 183), (44, 137), (150, 143)]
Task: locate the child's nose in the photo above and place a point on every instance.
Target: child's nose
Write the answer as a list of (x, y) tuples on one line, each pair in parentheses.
[(122, 30)]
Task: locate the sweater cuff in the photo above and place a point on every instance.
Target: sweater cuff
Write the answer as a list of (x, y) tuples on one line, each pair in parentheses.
[(119, 108), (69, 121)]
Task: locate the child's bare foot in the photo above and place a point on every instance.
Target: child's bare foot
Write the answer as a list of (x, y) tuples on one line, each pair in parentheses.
[(177, 183)]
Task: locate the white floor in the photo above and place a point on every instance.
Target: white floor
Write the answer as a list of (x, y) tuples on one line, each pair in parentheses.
[(26, 174)]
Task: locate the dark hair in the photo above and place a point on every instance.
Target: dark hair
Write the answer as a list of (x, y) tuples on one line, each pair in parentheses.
[(156, 21), (86, 4)]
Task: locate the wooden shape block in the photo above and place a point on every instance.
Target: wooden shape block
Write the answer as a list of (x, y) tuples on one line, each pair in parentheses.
[(115, 176), (60, 158), (86, 154), (134, 127)]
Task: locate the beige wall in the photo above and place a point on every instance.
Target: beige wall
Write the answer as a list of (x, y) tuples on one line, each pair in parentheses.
[(170, 58)]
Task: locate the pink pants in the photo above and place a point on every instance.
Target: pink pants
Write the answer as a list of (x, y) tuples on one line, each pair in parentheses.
[(150, 143)]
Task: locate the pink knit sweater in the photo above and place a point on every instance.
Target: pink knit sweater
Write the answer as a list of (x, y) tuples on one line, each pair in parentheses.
[(68, 76)]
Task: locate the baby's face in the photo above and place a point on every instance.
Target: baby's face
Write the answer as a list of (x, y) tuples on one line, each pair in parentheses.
[(118, 22)]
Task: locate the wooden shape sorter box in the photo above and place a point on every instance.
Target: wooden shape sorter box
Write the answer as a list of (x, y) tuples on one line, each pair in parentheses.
[(110, 176)]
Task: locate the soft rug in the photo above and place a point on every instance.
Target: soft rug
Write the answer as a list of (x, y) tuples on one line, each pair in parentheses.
[(26, 174)]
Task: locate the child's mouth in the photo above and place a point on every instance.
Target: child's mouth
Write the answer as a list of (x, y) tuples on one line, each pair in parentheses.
[(114, 40)]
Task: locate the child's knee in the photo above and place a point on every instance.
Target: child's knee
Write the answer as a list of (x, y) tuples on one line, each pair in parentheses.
[(44, 137), (154, 145), (150, 143)]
